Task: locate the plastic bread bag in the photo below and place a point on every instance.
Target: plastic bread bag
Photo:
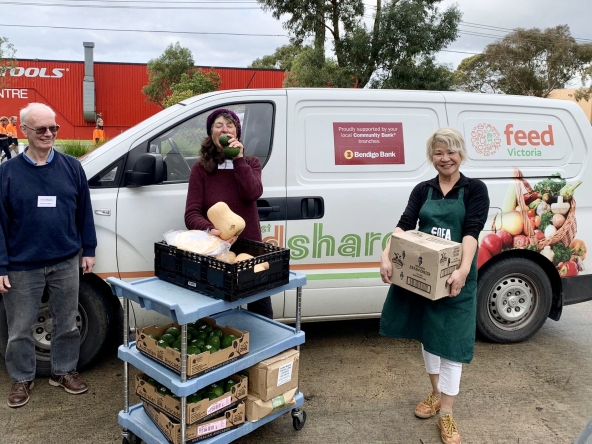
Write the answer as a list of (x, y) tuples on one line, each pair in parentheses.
[(197, 241)]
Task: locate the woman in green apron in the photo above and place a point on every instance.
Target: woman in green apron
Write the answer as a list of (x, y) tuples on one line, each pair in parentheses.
[(457, 207)]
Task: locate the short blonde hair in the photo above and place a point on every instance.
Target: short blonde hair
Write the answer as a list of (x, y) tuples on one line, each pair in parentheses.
[(449, 137)]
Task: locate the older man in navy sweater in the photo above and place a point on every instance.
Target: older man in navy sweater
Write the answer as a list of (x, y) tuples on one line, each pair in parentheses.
[(46, 221)]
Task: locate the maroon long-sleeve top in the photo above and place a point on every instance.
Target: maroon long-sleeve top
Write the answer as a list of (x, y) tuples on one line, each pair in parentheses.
[(239, 188)]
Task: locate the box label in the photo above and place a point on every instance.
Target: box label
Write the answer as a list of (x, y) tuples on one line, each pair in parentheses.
[(285, 374), (278, 402), (211, 427), (219, 404)]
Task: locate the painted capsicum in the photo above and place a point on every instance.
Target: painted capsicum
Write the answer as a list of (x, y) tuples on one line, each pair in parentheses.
[(568, 269)]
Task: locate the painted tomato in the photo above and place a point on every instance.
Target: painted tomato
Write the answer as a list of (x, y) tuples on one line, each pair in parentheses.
[(539, 235), (493, 243), (483, 256), (521, 241), (506, 238)]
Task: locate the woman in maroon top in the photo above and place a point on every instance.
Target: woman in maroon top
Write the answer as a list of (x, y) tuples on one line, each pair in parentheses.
[(237, 182)]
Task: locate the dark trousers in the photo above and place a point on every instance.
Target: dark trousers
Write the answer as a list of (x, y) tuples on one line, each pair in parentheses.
[(4, 147), (262, 307)]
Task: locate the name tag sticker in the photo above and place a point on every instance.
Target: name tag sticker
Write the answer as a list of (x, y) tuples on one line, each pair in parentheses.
[(46, 201), (227, 165)]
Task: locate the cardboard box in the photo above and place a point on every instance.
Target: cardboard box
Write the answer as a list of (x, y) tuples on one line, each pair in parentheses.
[(422, 263), (274, 376), (228, 420), (196, 364), (198, 411), (257, 409)]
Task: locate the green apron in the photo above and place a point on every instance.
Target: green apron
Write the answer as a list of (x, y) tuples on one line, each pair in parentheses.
[(445, 327)]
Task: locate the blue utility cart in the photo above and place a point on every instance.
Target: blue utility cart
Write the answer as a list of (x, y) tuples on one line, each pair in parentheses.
[(267, 339)]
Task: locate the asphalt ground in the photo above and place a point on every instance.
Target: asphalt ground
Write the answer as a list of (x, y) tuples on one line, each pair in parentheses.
[(362, 388)]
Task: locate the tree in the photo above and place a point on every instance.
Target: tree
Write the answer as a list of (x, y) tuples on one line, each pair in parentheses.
[(310, 68), (7, 60), (191, 85), (282, 58), (404, 33), (424, 74), (530, 62), (165, 71)]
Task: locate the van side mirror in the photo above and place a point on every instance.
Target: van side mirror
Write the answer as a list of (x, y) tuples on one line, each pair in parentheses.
[(148, 170)]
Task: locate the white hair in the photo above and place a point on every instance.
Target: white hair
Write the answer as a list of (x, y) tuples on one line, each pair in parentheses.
[(32, 106)]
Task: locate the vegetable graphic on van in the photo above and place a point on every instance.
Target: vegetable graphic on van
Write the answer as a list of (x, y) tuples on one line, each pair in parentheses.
[(551, 232)]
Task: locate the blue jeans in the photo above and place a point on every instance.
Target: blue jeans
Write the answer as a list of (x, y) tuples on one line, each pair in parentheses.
[(22, 305)]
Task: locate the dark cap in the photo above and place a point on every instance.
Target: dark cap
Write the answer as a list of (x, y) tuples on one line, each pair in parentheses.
[(216, 113)]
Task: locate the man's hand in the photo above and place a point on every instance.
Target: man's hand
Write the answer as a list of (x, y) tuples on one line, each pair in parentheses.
[(4, 284), (87, 264)]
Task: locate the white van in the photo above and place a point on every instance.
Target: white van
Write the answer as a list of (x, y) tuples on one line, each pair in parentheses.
[(338, 167)]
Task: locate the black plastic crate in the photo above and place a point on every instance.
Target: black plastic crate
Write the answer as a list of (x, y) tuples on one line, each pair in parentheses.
[(221, 280)]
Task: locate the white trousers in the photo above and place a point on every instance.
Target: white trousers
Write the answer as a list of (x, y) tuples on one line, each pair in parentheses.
[(449, 372)]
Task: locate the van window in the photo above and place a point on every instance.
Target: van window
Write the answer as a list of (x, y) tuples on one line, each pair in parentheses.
[(181, 144)]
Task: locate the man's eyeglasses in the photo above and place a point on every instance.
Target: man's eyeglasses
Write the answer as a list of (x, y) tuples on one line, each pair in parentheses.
[(43, 129)]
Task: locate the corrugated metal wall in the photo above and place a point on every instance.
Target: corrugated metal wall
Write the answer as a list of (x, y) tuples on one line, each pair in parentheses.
[(118, 92)]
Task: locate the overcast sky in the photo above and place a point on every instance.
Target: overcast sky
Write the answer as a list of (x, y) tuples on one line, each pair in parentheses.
[(203, 27)]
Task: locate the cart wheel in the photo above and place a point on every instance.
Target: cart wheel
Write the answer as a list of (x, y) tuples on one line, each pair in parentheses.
[(298, 420), (132, 439)]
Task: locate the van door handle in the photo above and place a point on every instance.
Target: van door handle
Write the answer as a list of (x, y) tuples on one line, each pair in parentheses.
[(103, 212), (272, 208), (309, 207)]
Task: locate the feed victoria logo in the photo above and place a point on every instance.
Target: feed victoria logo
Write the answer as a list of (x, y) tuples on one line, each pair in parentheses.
[(485, 138), (519, 141), (368, 143)]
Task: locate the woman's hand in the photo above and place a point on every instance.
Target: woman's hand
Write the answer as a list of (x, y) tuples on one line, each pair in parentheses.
[(386, 269), (215, 232), (235, 143), (456, 281)]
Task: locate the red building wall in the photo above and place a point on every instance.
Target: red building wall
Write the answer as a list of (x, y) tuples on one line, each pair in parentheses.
[(118, 92)]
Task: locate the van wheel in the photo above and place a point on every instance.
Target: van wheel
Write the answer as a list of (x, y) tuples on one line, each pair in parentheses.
[(94, 321), (514, 298)]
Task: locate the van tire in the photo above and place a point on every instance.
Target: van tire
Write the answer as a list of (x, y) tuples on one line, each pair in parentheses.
[(95, 320), (514, 297)]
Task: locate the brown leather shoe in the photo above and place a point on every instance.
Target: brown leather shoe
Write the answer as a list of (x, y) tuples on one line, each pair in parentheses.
[(72, 383), (448, 430), (428, 407), (19, 394)]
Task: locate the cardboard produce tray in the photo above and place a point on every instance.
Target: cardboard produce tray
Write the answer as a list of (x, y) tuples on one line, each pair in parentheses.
[(228, 420), (196, 364), (201, 411), (222, 280)]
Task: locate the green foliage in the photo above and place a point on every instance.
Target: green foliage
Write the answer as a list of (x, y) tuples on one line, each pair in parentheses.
[(423, 75), (191, 85), (74, 148), (311, 69), (7, 60), (282, 58), (165, 71), (405, 33), (530, 62)]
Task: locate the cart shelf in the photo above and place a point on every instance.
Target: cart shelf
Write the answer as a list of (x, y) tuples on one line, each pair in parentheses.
[(267, 338), (139, 423), (182, 305)]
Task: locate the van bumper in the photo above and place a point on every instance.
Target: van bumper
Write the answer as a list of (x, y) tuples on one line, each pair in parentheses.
[(576, 289)]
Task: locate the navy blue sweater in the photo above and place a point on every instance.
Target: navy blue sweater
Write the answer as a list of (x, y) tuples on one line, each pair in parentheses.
[(34, 237)]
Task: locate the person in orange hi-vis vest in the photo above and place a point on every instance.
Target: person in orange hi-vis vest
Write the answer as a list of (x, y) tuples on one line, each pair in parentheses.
[(5, 137), (13, 126), (98, 135)]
